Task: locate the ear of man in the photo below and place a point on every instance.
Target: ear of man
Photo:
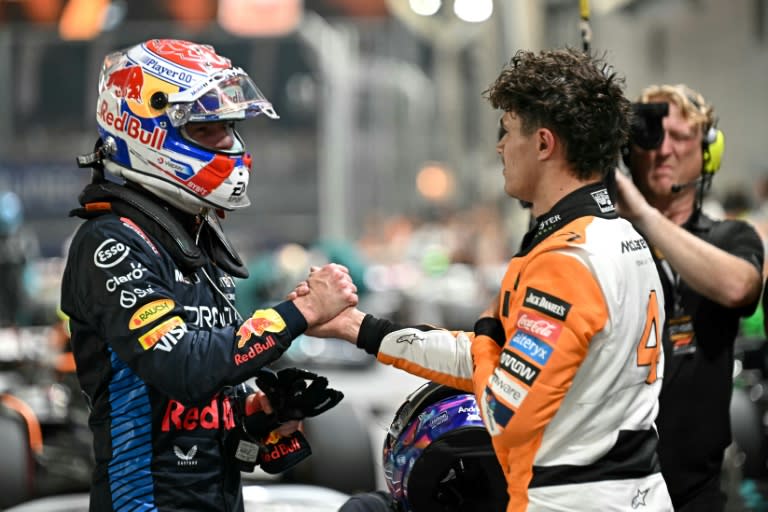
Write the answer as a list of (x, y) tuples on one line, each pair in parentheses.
[(546, 143)]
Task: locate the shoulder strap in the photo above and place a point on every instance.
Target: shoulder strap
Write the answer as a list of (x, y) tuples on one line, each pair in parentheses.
[(100, 198)]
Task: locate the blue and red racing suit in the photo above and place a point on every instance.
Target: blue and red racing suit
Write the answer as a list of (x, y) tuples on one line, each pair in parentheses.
[(159, 351)]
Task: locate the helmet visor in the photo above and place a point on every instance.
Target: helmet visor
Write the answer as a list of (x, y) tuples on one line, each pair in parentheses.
[(229, 96)]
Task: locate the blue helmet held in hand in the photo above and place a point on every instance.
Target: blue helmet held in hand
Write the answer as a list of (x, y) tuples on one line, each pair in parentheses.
[(438, 454)]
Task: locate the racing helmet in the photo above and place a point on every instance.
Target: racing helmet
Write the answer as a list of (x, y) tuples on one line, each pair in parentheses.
[(148, 95), (438, 455)]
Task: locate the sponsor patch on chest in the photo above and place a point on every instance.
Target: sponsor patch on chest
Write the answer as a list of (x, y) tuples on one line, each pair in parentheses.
[(546, 303)]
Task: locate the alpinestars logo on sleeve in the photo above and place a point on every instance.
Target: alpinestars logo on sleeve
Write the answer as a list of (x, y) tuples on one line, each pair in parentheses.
[(639, 499), (408, 338)]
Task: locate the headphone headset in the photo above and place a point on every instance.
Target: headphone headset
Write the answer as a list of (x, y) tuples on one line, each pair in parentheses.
[(713, 142), (712, 148)]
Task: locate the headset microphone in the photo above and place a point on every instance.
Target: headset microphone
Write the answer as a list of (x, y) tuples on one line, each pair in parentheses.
[(677, 187)]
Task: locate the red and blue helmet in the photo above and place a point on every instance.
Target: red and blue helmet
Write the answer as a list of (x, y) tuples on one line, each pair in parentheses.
[(438, 454), (148, 94)]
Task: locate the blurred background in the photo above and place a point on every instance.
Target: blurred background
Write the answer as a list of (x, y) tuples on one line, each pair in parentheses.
[(383, 135), (383, 157)]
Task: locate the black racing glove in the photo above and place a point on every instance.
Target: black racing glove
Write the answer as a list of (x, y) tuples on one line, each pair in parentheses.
[(295, 394), (273, 452), (278, 453), (253, 441)]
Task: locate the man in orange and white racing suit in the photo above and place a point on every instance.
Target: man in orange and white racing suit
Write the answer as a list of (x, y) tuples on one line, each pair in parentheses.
[(566, 364)]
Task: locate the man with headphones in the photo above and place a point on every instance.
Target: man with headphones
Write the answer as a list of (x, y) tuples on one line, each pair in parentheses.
[(711, 274)]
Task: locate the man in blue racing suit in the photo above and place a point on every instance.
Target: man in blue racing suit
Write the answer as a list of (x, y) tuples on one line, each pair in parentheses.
[(161, 351)]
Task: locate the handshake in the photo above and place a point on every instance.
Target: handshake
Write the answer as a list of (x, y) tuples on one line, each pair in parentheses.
[(327, 299)]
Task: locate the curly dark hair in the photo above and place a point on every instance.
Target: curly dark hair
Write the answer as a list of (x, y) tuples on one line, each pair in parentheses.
[(576, 95)]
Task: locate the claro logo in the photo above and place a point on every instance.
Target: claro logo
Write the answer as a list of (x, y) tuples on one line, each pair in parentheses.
[(150, 312), (180, 417)]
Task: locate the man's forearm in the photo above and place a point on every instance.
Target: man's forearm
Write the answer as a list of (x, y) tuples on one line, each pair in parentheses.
[(707, 269)]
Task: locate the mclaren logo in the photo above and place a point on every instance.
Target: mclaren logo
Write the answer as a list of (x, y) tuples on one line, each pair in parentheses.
[(633, 245)]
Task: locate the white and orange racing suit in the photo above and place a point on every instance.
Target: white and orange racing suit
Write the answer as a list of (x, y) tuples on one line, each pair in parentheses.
[(569, 391)]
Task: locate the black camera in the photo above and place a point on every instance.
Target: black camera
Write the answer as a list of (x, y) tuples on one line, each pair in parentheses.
[(646, 130)]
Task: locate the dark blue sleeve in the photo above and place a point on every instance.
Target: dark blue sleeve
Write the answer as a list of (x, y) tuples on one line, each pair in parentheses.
[(128, 291)]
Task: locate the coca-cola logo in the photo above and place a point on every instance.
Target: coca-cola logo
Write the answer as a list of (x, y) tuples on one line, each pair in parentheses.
[(539, 326)]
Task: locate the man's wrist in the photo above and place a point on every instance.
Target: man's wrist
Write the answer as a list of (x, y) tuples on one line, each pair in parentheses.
[(372, 331), (647, 218), (306, 308), (350, 330)]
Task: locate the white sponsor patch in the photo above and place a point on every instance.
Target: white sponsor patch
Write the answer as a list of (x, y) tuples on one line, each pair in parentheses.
[(127, 299), (209, 316), (603, 200), (136, 273), (109, 253), (506, 388)]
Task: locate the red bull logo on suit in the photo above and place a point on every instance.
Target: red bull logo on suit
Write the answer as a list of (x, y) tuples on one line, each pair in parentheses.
[(263, 320)]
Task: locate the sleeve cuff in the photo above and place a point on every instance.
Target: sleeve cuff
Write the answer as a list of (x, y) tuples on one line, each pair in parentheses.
[(492, 328), (294, 320), (372, 332)]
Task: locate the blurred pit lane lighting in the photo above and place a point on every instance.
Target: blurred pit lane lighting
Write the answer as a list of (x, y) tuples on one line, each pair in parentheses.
[(399, 276), (376, 278), (83, 19), (473, 11), (434, 182), (115, 15), (311, 347), (260, 18), (425, 7), (292, 258)]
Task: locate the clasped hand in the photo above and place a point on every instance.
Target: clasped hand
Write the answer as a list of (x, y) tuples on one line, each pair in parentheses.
[(328, 291)]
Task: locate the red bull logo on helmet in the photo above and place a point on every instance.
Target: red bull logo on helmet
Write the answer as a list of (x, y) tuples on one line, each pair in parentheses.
[(199, 57), (126, 83), (131, 126), (263, 320)]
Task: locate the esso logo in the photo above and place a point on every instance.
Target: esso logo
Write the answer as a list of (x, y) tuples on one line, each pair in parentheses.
[(110, 253)]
